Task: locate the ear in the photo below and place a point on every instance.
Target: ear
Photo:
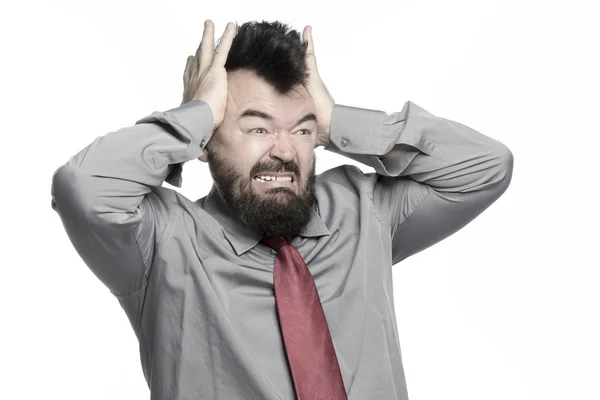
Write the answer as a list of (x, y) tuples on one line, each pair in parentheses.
[(203, 157)]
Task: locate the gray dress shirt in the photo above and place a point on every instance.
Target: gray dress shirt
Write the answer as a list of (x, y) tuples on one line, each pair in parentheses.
[(197, 285)]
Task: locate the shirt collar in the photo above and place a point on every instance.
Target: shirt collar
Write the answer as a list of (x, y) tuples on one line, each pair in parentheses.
[(241, 237)]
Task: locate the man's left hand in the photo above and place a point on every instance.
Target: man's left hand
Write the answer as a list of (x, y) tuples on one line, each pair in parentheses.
[(317, 90)]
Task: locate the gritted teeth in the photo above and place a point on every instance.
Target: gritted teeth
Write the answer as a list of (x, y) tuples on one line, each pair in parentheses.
[(269, 178)]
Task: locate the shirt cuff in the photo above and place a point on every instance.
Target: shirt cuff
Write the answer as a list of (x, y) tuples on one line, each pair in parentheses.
[(193, 120), (356, 130), (371, 137)]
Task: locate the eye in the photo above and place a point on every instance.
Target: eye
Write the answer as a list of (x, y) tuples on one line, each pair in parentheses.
[(306, 131)]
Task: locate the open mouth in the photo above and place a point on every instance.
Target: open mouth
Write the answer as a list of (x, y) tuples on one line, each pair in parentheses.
[(287, 179)]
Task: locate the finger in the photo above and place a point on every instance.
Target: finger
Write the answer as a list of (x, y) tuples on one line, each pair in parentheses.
[(205, 51), (224, 45), (311, 59), (307, 36), (188, 69), (204, 37)]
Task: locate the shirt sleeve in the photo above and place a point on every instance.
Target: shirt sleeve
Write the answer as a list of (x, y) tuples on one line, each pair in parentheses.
[(102, 194), (434, 175)]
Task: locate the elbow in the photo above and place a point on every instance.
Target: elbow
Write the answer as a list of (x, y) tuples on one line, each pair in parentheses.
[(499, 173), (505, 167), (68, 192)]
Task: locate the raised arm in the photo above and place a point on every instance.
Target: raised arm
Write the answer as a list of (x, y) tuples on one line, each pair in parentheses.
[(434, 175), (101, 192), (104, 194)]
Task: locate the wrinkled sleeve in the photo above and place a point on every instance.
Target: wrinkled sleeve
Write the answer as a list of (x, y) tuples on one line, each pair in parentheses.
[(434, 175), (102, 194)]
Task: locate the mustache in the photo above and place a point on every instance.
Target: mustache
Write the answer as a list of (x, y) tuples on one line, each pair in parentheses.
[(275, 167)]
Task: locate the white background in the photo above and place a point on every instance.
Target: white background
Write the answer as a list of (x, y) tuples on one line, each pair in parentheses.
[(507, 308)]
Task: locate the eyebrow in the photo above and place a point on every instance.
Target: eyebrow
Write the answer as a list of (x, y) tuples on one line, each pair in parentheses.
[(250, 112)]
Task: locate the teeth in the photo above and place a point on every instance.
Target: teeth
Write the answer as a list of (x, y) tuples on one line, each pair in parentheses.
[(266, 178)]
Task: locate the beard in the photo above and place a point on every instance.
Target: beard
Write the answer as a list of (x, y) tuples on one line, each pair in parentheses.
[(277, 211)]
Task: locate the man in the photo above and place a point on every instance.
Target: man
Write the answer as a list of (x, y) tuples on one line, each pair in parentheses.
[(222, 305)]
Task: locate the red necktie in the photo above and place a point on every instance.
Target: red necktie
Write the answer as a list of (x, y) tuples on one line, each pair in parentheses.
[(308, 345)]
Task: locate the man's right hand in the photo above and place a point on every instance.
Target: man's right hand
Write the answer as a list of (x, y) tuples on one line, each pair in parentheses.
[(205, 77)]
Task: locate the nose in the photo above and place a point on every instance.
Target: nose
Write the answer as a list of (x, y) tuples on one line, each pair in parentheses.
[(283, 148)]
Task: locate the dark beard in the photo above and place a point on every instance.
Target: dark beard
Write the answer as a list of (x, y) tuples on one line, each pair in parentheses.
[(279, 211)]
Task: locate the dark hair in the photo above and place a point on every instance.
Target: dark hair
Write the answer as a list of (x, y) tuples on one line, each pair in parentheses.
[(272, 50)]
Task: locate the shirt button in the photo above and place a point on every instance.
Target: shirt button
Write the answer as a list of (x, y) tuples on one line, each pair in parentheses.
[(202, 143), (344, 142)]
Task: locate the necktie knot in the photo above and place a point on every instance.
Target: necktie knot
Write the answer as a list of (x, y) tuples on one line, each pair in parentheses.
[(275, 242)]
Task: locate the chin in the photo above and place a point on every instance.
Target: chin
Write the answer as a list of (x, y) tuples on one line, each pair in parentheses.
[(285, 194)]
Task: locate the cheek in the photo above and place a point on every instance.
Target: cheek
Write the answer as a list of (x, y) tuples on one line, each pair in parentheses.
[(306, 158), (246, 156)]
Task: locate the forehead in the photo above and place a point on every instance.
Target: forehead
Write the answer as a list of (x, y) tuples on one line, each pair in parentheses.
[(247, 90)]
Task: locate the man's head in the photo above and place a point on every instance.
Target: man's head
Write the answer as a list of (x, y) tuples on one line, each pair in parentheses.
[(269, 129)]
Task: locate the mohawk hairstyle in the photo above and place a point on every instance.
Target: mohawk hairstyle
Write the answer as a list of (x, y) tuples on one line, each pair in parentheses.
[(273, 51)]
